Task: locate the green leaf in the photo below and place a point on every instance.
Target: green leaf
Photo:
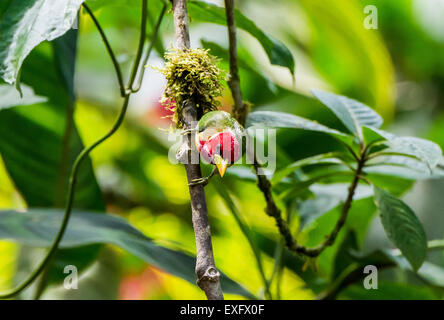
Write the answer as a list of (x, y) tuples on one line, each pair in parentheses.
[(11, 97), (38, 228), (403, 167), (277, 52), (27, 23), (285, 120), (425, 150), (352, 113), (402, 227)]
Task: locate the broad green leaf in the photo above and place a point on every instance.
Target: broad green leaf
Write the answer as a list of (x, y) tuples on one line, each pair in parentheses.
[(277, 52), (317, 159), (10, 97), (38, 227), (285, 120), (402, 227), (352, 113), (27, 23), (425, 150), (39, 144), (370, 135)]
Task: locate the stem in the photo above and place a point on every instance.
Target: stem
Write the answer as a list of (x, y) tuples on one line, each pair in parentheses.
[(74, 173), (207, 274), (140, 47), (239, 109), (150, 48), (109, 49), (273, 211)]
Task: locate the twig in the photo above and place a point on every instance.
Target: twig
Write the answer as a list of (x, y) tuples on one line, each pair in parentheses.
[(207, 274), (109, 49), (150, 48)]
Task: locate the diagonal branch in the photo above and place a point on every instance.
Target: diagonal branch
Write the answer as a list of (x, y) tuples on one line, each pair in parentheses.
[(240, 112), (207, 274)]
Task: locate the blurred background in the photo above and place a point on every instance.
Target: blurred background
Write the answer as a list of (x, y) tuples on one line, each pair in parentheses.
[(398, 69)]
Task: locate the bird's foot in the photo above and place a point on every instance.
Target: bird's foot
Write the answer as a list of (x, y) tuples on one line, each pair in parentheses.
[(200, 181), (203, 181)]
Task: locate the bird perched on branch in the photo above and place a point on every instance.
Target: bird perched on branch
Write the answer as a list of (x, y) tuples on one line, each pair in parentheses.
[(218, 139)]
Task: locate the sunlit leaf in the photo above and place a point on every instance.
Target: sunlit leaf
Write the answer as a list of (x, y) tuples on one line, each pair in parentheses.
[(402, 227), (11, 97)]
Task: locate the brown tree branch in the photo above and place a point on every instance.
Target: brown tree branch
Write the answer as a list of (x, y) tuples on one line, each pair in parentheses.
[(207, 274)]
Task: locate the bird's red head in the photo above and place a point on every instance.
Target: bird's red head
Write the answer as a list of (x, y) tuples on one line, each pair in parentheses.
[(220, 149)]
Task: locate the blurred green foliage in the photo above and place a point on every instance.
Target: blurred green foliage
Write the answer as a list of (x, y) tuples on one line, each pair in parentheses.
[(397, 69)]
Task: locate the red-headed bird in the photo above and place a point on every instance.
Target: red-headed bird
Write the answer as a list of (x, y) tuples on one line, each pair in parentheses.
[(218, 140)]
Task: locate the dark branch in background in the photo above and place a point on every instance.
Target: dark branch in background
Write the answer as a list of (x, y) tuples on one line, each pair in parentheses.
[(207, 274), (240, 109), (240, 112), (83, 155)]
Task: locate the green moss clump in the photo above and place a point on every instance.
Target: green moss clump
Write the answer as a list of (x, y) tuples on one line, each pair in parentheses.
[(191, 75)]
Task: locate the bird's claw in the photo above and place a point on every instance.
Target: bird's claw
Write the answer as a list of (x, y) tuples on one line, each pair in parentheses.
[(199, 181)]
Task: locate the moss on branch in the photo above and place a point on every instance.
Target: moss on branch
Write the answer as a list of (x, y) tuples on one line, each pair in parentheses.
[(191, 74)]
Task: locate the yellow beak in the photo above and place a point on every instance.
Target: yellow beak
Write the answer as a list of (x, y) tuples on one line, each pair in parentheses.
[(221, 164)]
